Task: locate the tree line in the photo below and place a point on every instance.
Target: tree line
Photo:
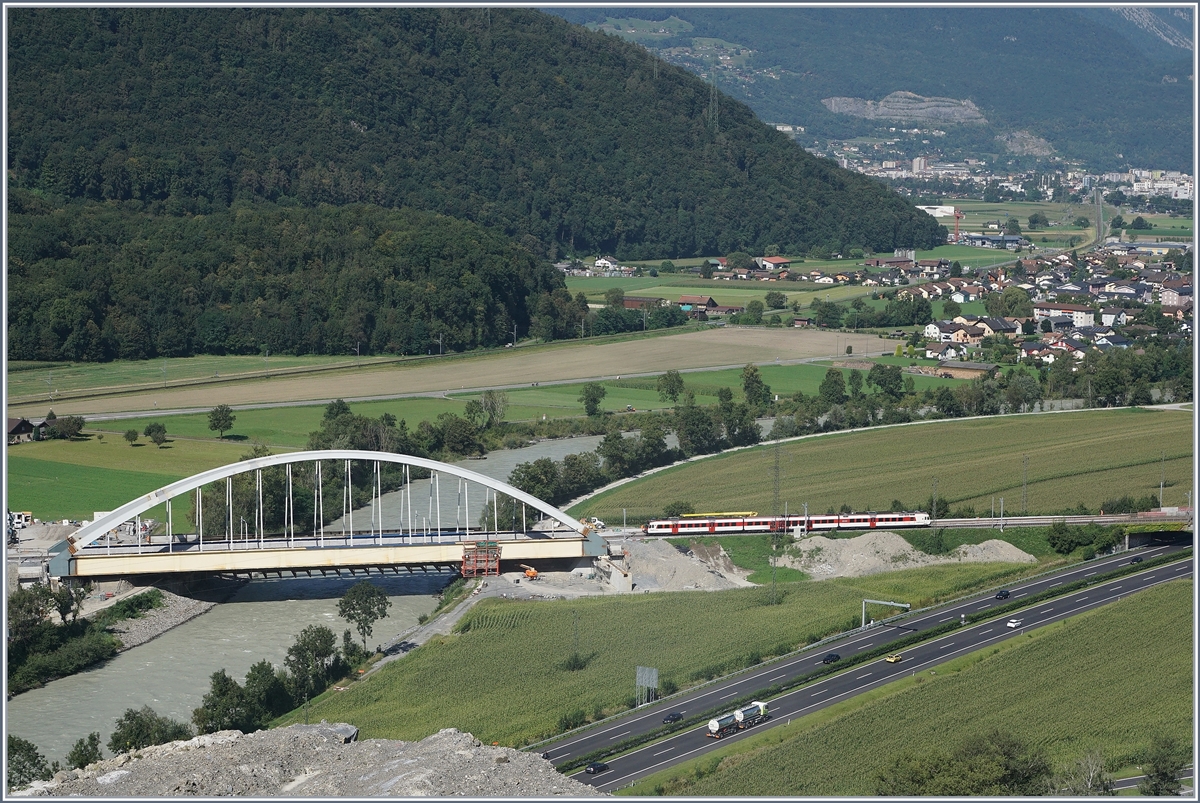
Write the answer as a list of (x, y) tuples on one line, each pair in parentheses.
[(88, 282)]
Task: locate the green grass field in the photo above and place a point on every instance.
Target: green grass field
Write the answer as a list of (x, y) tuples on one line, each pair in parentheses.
[(1022, 687), (1082, 457), (472, 680), (71, 480)]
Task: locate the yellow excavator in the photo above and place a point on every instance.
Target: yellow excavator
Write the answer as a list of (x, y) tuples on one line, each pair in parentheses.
[(530, 572)]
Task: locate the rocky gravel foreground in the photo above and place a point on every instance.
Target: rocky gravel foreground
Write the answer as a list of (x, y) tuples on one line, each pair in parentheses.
[(316, 761)]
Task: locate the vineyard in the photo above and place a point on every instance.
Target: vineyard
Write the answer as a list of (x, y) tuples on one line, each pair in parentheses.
[(478, 678), (1085, 457), (1064, 689)]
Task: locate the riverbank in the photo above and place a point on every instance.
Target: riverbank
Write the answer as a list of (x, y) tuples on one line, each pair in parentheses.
[(175, 611)]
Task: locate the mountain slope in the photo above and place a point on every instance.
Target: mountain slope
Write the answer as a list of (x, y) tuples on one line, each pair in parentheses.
[(1083, 81), (567, 140)]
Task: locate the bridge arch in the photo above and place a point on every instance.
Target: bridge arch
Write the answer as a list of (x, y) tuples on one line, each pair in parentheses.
[(90, 532)]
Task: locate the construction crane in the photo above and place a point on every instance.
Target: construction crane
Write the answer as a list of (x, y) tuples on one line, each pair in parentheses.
[(530, 572)]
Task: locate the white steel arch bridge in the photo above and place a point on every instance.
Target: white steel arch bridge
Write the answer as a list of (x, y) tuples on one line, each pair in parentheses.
[(95, 551)]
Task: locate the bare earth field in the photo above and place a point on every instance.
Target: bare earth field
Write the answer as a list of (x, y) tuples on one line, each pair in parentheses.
[(706, 349)]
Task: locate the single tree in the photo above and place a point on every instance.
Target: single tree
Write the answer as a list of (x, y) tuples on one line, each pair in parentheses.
[(68, 600), (266, 693), (670, 385), (157, 432), (753, 314), (756, 391), (362, 606), (25, 763), (775, 300), (308, 659), (955, 269), (221, 417), (1011, 226), (223, 707), (675, 509), (1162, 765), (740, 259), (888, 378), (833, 387), (951, 309), (1038, 220), (614, 297), (27, 610), (495, 405), (591, 395), (706, 270), (141, 728), (86, 751), (1081, 222), (473, 412), (1084, 777), (1117, 223), (131, 435)]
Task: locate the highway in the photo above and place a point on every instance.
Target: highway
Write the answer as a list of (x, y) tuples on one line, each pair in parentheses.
[(691, 742)]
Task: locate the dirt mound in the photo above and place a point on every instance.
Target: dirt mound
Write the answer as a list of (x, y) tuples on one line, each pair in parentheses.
[(317, 761), (823, 558), (658, 566)]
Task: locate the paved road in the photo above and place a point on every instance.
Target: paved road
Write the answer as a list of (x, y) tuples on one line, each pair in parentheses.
[(691, 742)]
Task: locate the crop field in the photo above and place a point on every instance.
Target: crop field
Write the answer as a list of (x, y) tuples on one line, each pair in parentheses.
[(474, 680), (729, 293), (574, 360), (1021, 687), (38, 380), (1079, 457)]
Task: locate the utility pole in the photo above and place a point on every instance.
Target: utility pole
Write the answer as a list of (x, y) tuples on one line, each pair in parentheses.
[(1163, 478), (775, 524), (514, 334), (934, 513), (266, 363), (440, 335)]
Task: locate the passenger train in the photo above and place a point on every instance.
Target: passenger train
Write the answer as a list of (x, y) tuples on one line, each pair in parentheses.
[(740, 523)]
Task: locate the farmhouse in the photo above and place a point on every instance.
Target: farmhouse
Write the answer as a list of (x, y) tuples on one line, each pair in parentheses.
[(22, 430)]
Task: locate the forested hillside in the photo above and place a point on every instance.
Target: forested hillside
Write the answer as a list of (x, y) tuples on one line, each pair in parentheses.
[(569, 141), (94, 282)]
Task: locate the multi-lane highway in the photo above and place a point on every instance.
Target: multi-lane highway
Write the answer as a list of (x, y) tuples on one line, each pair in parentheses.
[(691, 742)]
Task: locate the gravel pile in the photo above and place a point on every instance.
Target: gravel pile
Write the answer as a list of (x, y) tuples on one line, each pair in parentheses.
[(823, 558), (154, 623), (658, 566), (317, 761)]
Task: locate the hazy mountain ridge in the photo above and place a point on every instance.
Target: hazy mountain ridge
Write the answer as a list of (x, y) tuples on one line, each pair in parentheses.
[(1092, 84)]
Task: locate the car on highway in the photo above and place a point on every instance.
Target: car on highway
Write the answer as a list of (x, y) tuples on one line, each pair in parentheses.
[(595, 767), (894, 658), (674, 716), (1015, 622), (1138, 559), (831, 658), (1002, 594)]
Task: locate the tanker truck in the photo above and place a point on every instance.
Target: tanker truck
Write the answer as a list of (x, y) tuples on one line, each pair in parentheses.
[(751, 715), (743, 718), (722, 726)]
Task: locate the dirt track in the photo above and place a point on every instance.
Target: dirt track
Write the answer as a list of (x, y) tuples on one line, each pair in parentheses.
[(707, 349)]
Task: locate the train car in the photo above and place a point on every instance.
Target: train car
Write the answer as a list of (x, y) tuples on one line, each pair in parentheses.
[(733, 523)]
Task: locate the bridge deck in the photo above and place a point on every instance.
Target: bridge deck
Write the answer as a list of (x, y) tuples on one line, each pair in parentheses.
[(273, 559)]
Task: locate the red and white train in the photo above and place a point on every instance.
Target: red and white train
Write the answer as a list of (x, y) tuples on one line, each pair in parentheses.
[(753, 523)]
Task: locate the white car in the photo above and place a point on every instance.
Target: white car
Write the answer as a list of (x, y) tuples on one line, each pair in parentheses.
[(1015, 622)]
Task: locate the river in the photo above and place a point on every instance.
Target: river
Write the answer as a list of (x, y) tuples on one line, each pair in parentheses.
[(171, 673)]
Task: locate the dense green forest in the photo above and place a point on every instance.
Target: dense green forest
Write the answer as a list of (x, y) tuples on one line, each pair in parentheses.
[(1093, 83), (95, 281), (566, 140)]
